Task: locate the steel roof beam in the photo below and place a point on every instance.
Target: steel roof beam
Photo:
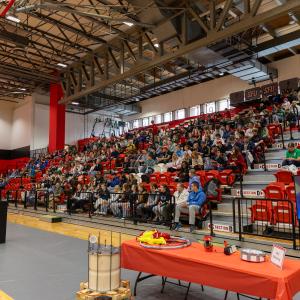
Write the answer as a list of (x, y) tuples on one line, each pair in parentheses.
[(246, 22)]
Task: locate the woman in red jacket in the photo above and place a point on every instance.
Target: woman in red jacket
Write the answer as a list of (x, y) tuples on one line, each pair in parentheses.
[(236, 160)]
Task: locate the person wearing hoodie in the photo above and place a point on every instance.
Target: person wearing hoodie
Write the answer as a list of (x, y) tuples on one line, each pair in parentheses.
[(193, 178), (195, 201)]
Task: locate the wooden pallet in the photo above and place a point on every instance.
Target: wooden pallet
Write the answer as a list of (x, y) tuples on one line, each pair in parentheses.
[(122, 293)]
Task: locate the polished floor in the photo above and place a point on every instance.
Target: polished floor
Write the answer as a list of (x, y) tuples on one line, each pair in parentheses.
[(49, 263)]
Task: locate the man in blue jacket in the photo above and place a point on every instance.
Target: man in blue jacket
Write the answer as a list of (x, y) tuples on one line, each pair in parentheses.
[(193, 178), (195, 200)]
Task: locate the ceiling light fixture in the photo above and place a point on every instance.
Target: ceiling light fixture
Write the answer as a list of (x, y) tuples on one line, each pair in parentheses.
[(156, 45), (22, 89), (221, 73), (75, 103), (62, 65), (128, 24), (13, 18)]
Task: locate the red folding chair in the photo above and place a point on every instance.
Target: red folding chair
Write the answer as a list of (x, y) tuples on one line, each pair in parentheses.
[(262, 211), (290, 192), (284, 176), (275, 190), (227, 177), (283, 213)]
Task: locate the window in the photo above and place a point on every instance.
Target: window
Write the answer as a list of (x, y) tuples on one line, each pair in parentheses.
[(151, 119), (126, 127), (168, 117), (135, 124), (195, 111), (145, 122), (180, 114), (222, 104), (210, 107), (158, 119)]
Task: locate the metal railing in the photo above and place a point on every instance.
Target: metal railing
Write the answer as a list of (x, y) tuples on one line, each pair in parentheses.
[(127, 206), (268, 218), (38, 198)]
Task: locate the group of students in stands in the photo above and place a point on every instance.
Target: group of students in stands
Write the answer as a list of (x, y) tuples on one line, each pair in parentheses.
[(231, 142)]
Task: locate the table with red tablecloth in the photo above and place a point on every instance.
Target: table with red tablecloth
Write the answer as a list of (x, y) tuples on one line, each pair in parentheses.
[(215, 269)]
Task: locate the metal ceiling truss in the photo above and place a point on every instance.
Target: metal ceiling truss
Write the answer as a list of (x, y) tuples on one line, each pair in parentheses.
[(107, 65), (132, 64)]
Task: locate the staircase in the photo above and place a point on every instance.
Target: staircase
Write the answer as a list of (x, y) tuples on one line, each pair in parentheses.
[(253, 182)]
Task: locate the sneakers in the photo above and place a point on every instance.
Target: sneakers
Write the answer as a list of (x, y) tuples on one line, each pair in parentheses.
[(177, 226), (192, 228)]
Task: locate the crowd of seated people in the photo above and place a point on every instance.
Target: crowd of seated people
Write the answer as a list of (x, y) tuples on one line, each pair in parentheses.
[(216, 143)]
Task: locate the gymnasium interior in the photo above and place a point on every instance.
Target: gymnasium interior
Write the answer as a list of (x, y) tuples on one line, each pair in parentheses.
[(149, 149)]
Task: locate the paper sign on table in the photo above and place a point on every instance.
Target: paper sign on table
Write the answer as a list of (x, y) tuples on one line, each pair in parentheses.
[(278, 255)]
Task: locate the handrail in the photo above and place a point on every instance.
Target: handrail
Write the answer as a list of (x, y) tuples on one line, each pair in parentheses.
[(265, 217)]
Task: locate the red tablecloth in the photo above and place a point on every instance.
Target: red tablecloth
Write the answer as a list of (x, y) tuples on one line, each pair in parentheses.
[(194, 264)]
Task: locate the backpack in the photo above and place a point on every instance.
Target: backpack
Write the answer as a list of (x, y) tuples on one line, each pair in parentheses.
[(211, 187)]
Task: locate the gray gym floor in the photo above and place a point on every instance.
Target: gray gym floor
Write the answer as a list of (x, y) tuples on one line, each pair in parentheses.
[(38, 265)]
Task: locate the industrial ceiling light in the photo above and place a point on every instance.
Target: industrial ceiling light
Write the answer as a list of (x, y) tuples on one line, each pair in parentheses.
[(62, 65), (13, 18), (75, 103), (221, 74), (22, 89), (128, 24), (156, 45)]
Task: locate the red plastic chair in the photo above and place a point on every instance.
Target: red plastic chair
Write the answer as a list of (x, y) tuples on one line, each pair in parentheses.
[(290, 192), (262, 211), (202, 176), (153, 178), (275, 190), (227, 177), (212, 174), (283, 213), (163, 179), (284, 176)]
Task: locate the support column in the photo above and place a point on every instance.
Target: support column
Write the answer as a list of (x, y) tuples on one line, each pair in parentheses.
[(56, 119)]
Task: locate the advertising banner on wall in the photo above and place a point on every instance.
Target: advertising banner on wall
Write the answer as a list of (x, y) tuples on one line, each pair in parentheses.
[(297, 191)]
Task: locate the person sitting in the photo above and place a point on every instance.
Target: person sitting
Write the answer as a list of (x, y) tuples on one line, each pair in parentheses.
[(181, 197), (218, 160), (164, 156), (193, 178), (141, 201), (236, 161), (79, 199), (175, 164), (102, 202), (256, 146), (197, 161), (195, 201), (148, 166), (292, 156), (114, 201), (161, 209), (152, 201), (249, 131)]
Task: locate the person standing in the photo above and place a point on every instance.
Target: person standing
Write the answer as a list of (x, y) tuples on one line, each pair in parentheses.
[(154, 131)]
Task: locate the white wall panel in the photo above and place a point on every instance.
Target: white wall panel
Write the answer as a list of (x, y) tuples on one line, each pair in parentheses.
[(209, 91), (6, 112), (21, 132)]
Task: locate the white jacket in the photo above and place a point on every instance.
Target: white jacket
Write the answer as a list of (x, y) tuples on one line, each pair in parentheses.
[(182, 197)]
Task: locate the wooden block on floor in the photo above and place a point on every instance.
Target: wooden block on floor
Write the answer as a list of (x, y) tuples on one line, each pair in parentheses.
[(81, 295), (50, 219), (125, 284), (122, 293), (84, 285)]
